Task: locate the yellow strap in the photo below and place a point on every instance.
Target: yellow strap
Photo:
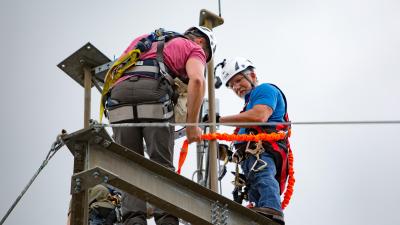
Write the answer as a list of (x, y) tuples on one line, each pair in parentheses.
[(115, 72)]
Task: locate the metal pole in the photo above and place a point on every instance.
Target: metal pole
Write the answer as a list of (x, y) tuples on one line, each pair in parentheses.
[(210, 21), (79, 204), (211, 112), (79, 67), (87, 101)]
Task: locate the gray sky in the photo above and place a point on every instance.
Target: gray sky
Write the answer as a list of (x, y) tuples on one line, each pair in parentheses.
[(335, 60)]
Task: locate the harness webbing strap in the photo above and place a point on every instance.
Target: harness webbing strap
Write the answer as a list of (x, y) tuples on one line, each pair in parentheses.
[(135, 112), (149, 69), (160, 60), (115, 72)]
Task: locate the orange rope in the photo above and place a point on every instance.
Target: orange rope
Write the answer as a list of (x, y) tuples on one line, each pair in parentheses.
[(271, 137)]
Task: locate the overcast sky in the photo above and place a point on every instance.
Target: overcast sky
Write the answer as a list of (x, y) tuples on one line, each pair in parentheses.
[(336, 60)]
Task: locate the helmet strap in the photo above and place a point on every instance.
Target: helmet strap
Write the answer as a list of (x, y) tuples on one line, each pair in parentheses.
[(249, 80)]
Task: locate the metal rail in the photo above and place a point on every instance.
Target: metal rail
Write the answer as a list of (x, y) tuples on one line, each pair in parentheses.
[(130, 172)]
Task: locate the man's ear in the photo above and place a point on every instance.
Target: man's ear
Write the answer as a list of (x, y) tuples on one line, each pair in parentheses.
[(253, 76), (199, 40)]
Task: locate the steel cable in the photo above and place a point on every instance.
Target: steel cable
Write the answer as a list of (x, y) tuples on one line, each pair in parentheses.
[(54, 148), (167, 124)]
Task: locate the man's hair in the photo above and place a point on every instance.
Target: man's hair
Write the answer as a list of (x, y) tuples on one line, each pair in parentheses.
[(194, 33), (248, 70)]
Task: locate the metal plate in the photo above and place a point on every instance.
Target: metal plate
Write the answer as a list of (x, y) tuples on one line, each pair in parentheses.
[(207, 15), (89, 56)]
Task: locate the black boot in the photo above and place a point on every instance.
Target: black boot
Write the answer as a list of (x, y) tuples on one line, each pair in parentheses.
[(135, 219), (272, 214)]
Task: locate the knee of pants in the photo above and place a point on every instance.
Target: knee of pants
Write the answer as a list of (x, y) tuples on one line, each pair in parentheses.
[(131, 204), (167, 219)]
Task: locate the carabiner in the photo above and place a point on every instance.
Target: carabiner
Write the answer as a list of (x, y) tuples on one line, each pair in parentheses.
[(264, 164)]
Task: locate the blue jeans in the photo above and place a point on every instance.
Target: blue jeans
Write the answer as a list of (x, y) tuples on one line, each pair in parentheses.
[(96, 219), (264, 188)]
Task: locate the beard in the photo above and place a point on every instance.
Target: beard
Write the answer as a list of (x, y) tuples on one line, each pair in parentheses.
[(242, 93)]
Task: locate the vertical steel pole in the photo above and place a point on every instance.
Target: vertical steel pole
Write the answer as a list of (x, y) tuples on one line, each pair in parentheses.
[(210, 21), (79, 67), (79, 204), (211, 112), (87, 101)]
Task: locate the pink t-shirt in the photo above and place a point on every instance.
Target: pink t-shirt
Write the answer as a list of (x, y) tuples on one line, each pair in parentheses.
[(176, 53)]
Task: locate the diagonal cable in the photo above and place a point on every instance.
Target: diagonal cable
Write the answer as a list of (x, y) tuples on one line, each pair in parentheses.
[(54, 148)]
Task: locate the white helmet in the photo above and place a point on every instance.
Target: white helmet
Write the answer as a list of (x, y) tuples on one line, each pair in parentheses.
[(234, 66), (212, 41)]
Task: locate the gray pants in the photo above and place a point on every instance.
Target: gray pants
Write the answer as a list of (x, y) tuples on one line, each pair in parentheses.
[(159, 142)]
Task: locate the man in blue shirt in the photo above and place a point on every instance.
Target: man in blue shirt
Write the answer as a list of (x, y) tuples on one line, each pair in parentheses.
[(266, 178)]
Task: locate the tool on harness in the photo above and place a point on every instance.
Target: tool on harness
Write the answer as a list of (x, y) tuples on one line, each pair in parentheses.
[(130, 60), (266, 137), (240, 192), (222, 170), (225, 154), (180, 104)]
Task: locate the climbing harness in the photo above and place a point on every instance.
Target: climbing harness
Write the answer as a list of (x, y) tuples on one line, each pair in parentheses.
[(257, 151), (230, 137), (156, 111), (115, 72), (266, 137), (130, 65)]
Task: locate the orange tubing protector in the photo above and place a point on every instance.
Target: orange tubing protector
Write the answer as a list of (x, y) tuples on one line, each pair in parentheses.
[(271, 137)]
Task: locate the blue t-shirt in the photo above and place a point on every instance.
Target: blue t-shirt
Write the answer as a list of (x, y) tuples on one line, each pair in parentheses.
[(266, 94)]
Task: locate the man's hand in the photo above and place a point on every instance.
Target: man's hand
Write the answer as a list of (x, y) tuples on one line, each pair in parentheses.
[(193, 134)]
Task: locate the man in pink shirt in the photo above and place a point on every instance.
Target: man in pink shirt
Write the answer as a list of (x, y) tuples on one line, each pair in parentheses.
[(148, 94)]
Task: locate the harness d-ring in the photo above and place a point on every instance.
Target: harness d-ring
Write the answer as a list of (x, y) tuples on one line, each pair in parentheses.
[(256, 152), (264, 164)]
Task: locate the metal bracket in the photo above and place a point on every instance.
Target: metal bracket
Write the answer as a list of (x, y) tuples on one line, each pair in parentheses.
[(88, 55), (89, 178)]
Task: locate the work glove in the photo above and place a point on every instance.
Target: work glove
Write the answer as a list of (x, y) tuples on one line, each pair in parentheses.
[(205, 118)]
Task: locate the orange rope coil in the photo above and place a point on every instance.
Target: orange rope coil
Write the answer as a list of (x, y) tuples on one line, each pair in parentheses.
[(270, 137)]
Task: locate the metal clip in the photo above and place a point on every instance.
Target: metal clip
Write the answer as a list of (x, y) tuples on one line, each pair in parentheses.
[(256, 152), (264, 164)]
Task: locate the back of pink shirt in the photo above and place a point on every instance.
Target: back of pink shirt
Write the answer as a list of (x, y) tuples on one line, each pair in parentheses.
[(176, 53)]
